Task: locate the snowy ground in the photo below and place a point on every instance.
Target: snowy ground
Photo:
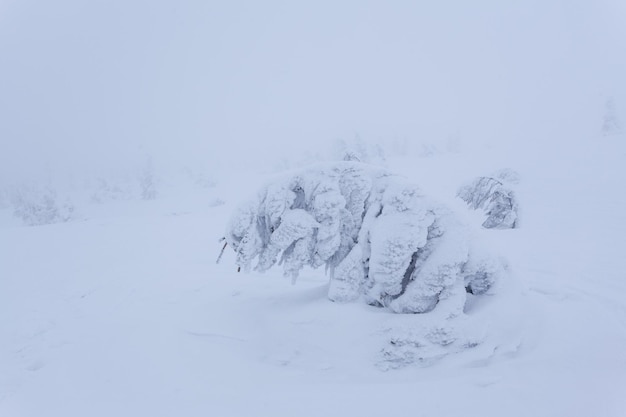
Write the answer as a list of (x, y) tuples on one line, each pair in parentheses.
[(126, 313)]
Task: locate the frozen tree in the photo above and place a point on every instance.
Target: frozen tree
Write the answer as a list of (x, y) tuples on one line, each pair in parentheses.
[(147, 182), (357, 150), (107, 190), (379, 238), (494, 195), (610, 124), (39, 207)]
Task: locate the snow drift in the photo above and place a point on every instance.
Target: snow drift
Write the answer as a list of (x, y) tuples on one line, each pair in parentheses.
[(379, 238)]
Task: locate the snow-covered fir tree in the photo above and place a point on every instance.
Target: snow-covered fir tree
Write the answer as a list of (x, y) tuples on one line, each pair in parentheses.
[(147, 182), (379, 238), (495, 196)]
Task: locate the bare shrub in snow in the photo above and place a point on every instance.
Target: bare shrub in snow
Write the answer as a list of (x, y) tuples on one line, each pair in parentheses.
[(495, 196), (38, 207), (379, 238)]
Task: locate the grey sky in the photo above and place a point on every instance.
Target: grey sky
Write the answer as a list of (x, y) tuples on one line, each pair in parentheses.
[(107, 82)]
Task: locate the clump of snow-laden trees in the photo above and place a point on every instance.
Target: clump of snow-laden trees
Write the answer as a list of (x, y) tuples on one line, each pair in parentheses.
[(494, 195), (379, 238), (39, 207)]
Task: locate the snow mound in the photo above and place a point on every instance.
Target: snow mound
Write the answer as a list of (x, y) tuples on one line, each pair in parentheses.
[(495, 196), (379, 238), (424, 345)]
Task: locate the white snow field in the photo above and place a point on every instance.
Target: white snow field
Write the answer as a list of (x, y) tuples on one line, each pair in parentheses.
[(124, 311), (132, 130)]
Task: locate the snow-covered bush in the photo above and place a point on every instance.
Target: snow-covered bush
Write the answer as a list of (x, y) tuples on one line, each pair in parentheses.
[(379, 238), (107, 190), (39, 207), (147, 182), (495, 196), (358, 150)]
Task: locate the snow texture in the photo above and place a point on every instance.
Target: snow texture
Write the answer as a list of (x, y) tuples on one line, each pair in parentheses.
[(494, 195), (380, 239)]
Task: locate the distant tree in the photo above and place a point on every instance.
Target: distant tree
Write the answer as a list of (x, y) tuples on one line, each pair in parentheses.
[(108, 190), (357, 150), (494, 195), (610, 124), (38, 207), (147, 182)]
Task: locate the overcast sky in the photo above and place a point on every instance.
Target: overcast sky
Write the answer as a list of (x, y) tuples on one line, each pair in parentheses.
[(86, 82)]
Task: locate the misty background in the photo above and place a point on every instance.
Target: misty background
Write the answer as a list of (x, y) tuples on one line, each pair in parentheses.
[(95, 86)]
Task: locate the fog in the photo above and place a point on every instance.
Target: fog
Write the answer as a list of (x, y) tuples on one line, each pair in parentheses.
[(106, 84)]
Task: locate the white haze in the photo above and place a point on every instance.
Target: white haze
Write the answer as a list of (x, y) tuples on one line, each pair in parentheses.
[(90, 85)]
